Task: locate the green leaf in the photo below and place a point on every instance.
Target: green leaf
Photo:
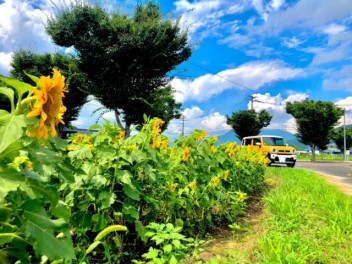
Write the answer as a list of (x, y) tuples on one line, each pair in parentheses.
[(35, 79), (100, 222), (10, 181), (107, 199), (141, 231), (152, 253), (61, 210), (66, 171), (131, 211), (11, 151), (42, 228), (49, 245), (20, 87), (10, 128), (173, 260), (124, 176), (176, 243), (167, 248), (131, 192), (10, 94)]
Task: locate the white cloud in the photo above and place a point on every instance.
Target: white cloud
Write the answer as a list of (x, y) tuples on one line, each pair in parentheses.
[(215, 122), (331, 55), (5, 59), (276, 106), (22, 27), (276, 4), (292, 42), (205, 15), (339, 80), (196, 118), (192, 113), (252, 74), (236, 40), (308, 14), (334, 29), (346, 104)]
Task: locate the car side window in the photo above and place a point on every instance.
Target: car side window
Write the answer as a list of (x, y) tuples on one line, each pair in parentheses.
[(247, 141), (255, 141)]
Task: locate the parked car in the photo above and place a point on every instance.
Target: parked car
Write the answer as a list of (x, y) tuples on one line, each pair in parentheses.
[(278, 151)]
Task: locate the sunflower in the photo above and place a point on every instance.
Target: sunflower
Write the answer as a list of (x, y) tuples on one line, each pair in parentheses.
[(48, 105)]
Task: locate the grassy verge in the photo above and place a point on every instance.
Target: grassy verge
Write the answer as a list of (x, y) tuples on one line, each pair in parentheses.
[(333, 157), (305, 220), (309, 221)]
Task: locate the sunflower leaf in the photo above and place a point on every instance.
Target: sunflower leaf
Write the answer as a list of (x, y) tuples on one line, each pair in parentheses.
[(35, 79), (20, 87), (10, 128), (10, 94)]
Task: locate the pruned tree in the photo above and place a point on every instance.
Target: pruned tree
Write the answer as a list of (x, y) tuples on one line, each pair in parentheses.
[(42, 64), (315, 121), (337, 135), (248, 122), (126, 58)]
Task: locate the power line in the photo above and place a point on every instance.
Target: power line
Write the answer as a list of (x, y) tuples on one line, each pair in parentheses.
[(222, 77)]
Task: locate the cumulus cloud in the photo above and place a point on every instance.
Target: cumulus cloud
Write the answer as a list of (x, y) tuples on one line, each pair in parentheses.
[(339, 80), (196, 118), (252, 74), (204, 15), (5, 59), (276, 105), (22, 27), (308, 13), (346, 104)]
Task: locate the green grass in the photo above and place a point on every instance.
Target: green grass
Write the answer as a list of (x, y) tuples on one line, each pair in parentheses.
[(334, 157), (306, 220), (309, 221)]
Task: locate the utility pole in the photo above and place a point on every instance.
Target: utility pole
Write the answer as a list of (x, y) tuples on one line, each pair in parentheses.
[(252, 100), (344, 136), (183, 125)]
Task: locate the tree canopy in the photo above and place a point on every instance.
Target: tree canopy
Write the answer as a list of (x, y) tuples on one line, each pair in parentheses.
[(43, 64), (315, 121), (126, 58), (248, 122), (337, 136)]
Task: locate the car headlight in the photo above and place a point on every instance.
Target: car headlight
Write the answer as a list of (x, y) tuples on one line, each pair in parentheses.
[(294, 151), (273, 150)]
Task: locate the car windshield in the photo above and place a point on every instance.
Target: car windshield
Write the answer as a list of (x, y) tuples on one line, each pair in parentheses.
[(274, 141)]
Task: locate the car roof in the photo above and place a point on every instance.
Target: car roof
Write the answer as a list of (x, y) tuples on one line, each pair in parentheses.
[(264, 136)]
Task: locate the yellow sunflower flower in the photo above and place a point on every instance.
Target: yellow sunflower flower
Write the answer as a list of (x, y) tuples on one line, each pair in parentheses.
[(216, 181), (193, 186), (186, 153), (48, 106)]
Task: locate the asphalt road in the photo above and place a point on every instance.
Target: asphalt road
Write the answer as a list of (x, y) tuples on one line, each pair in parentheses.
[(340, 170)]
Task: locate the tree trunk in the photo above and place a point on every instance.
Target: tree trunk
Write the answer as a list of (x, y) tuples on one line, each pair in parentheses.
[(127, 128), (118, 120), (313, 153)]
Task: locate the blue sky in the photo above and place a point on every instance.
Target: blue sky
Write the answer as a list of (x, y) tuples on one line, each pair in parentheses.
[(274, 50)]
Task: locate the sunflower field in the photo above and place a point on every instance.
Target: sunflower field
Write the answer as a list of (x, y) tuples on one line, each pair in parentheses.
[(102, 198)]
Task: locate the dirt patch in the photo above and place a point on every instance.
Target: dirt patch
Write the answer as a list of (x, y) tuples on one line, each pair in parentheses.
[(240, 243), (338, 182)]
